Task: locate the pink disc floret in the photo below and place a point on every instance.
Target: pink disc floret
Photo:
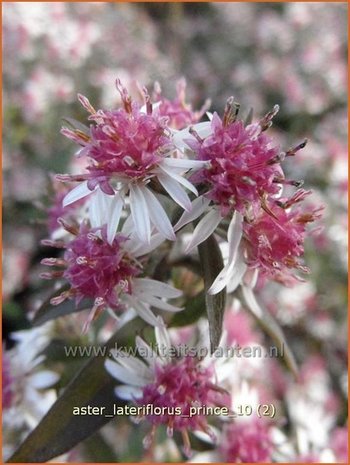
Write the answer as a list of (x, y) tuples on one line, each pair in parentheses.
[(98, 269), (275, 241), (182, 384), (124, 144), (242, 168), (93, 267)]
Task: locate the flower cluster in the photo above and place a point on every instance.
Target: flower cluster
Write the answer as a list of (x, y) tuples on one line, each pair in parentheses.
[(121, 241), (244, 180), (139, 159)]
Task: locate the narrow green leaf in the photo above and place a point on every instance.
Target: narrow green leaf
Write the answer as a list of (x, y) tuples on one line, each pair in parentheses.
[(269, 325), (212, 263), (98, 450), (59, 431), (48, 311)]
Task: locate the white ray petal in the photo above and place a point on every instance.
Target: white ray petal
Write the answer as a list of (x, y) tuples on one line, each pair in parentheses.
[(175, 191), (94, 211), (147, 353), (128, 392), (143, 311), (127, 316), (183, 163), (138, 249), (139, 212), (251, 301), (158, 303), (208, 438), (114, 214), (131, 363), (236, 276), (105, 201), (179, 179), (44, 379), (199, 205), (206, 457), (234, 235), (156, 288), (232, 273), (124, 375), (163, 340), (79, 192), (99, 207), (158, 216), (220, 282), (203, 130), (231, 276), (205, 228), (128, 227), (254, 279)]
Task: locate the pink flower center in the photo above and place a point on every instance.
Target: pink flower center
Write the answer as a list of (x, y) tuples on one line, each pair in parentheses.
[(126, 145), (182, 384), (123, 145), (241, 167), (98, 269), (275, 241)]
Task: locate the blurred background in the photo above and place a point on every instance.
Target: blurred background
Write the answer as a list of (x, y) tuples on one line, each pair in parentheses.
[(293, 54)]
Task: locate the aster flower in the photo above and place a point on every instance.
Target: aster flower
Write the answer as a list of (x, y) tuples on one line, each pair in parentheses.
[(108, 272), (27, 385), (131, 154), (272, 245), (167, 383), (247, 442), (26, 376), (274, 242), (243, 164)]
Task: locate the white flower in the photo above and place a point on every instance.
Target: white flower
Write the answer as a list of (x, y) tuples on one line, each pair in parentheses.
[(105, 266), (28, 379), (128, 150), (163, 383)]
